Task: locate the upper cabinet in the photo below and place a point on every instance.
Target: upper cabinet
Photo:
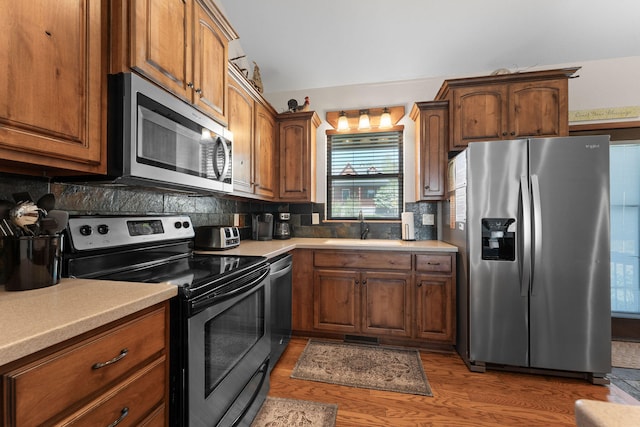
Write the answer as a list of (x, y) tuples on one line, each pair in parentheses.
[(432, 131), (252, 121), (54, 85), (297, 156), (507, 106), (180, 44)]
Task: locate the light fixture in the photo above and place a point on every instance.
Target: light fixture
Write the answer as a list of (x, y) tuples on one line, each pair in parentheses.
[(343, 122), (363, 123), (385, 118)]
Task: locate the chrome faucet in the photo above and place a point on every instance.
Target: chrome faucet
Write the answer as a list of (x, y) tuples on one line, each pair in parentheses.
[(364, 228)]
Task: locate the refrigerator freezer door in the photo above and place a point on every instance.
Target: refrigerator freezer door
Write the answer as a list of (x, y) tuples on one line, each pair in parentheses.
[(498, 313), (570, 325)]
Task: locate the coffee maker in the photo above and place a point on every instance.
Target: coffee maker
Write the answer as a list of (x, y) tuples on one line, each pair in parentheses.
[(262, 226), (282, 228)]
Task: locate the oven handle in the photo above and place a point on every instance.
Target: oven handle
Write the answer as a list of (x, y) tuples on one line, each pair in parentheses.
[(206, 301)]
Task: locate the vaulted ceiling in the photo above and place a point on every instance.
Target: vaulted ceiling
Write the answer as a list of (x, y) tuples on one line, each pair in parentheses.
[(304, 44)]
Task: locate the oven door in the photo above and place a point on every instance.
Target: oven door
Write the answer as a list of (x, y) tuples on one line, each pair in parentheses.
[(228, 355)]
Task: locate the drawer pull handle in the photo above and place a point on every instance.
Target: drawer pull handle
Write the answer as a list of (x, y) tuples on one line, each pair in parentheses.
[(122, 354), (123, 415), (433, 263)]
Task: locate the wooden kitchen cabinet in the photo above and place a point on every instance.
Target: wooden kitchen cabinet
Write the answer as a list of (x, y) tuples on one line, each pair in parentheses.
[(371, 300), (297, 156), (180, 44), (117, 372), (252, 122), (507, 106), (435, 302), (54, 66), (432, 143)]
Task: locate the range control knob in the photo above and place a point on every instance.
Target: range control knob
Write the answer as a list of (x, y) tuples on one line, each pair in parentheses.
[(85, 230), (103, 229), (185, 224), (177, 224)]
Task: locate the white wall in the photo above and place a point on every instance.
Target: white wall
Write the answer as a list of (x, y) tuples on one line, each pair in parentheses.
[(606, 83)]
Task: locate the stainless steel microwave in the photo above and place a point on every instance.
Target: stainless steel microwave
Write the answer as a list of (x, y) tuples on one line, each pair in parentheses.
[(155, 139)]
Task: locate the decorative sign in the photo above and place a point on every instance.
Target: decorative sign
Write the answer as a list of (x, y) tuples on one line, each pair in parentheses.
[(604, 114)]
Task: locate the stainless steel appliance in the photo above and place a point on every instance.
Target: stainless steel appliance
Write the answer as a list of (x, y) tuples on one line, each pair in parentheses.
[(216, 237), (262, 226), (531, 219), (158, 140), (220, 321), (282, 228), (281, 300)]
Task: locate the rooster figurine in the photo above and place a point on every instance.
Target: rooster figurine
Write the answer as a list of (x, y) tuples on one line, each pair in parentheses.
[(293, 105)]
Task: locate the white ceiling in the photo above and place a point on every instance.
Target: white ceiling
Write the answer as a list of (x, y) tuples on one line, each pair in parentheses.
[(304, 44)]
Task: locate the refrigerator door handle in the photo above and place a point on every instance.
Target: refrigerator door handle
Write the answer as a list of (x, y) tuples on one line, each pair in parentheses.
[(525, 262), (537, 224)]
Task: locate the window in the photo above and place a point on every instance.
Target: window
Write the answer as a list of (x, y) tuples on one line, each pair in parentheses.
[(625, 228), (364, 173)]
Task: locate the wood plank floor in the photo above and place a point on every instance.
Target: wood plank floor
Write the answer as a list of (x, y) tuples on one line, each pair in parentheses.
[(460, 397)]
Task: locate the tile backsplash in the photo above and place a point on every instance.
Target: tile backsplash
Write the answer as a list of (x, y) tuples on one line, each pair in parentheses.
[(204, 210)]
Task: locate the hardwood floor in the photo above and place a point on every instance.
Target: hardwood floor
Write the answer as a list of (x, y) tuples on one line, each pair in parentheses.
[(460, 397)]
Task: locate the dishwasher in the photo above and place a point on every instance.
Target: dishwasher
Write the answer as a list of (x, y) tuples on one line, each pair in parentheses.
[(280, 276)]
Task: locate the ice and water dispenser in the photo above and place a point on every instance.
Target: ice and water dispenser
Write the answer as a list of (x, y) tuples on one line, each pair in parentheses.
[(499, 239)]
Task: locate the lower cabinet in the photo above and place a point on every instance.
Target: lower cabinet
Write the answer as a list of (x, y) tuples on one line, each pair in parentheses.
[(362, 302), (118, 374), (404, 297)]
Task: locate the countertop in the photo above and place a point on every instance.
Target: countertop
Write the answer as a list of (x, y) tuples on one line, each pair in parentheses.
[(592, 413), (274, 247), (36, 319)]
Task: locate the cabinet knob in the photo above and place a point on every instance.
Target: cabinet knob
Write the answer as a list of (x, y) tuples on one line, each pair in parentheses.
[(364, 282), (513, 133), (357, 282), (504, 134), (198, 91), (426, 187), (190, 84)]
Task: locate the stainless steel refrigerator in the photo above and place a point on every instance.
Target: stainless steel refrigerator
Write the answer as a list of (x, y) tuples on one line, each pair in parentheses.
[(531, 219)]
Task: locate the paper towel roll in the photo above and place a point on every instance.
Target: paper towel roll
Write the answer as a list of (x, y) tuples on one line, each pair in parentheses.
[(408, 230)]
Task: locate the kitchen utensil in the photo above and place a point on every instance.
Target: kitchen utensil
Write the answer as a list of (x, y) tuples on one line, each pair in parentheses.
[(47, 202), (25, 214), (61, 219), (22, 196)]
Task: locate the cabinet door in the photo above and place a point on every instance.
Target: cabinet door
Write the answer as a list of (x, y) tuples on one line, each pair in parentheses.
[(241, 124), (209, 65), (538, 109), (336, 305), (478, 114), (434, 308), (294, 160), (53, 84), (161, 43), (264, 153), (386, 308), (432, 127)]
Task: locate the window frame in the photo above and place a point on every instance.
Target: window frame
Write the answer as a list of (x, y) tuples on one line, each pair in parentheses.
[(399, 130)]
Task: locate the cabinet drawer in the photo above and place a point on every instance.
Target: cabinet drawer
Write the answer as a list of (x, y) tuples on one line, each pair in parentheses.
[(130, 401), (433, 263), (363, 260), (67, 377)]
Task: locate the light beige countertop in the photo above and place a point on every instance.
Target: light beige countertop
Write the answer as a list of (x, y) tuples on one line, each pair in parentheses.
[(592, 413), (36, 319), (274, 247)]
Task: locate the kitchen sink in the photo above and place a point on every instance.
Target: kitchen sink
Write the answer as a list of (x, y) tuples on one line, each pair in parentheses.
[(366, 242)]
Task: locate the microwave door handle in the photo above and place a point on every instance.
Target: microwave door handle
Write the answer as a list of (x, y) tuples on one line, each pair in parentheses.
[(220, 174)]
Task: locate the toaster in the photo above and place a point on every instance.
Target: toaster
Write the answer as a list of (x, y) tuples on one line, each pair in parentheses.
[(216, 237)]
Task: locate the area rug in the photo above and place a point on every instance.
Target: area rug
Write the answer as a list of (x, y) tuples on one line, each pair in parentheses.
[(278, 412), (363, 366), (625, 354)]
